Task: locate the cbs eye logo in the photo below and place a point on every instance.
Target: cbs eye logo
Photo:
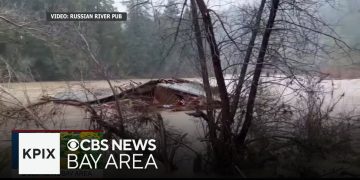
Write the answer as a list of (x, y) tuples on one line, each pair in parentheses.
[(73, 145)]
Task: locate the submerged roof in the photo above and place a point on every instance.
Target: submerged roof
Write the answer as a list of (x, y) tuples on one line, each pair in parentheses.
[(186, 87), (82, 96), (105, 95)]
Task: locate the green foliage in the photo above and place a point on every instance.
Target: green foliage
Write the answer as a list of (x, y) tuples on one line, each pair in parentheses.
[(64, 151)]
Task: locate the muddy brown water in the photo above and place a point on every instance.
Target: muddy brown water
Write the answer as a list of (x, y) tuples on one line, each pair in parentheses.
[(73, 118), (28, 93)]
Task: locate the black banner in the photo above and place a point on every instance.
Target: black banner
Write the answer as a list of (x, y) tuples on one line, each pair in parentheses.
[(86, 16)]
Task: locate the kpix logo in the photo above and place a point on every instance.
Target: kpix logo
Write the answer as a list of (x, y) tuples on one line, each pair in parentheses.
[(39, 153), (33, 153), (44, 152)]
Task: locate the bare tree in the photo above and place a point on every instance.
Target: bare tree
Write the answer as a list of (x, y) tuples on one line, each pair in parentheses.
[(204, 73), (254, 86), (246, 61)]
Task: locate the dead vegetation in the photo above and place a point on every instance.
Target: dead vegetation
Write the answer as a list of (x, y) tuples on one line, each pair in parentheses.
[(140, 105), (290, 137), (249, 130), (301, 139)]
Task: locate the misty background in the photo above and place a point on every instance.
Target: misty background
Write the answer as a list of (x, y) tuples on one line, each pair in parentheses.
[(150, 44)]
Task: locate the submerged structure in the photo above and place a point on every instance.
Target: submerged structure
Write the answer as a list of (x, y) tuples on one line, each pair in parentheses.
[(161, 94)]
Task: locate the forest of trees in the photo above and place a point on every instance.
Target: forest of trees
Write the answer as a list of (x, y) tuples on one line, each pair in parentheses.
[(142, 46), (155, 41)]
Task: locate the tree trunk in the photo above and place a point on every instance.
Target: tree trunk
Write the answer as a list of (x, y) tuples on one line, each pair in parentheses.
[(223, 146), (215, 54), (204, 73), (246, 61), (259, 65)]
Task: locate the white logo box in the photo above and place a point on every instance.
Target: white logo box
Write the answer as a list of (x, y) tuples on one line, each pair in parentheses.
[(39, 165)]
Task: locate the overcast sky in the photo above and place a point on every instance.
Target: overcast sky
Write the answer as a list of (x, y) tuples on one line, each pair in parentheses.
[(119, 5), (345, 16), (213, 4)]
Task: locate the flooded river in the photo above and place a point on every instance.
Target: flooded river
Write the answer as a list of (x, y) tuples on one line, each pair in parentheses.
[(74, 118), (28, 93)]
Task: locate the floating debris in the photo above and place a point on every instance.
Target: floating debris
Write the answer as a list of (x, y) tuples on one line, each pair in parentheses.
[(162, 94)]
